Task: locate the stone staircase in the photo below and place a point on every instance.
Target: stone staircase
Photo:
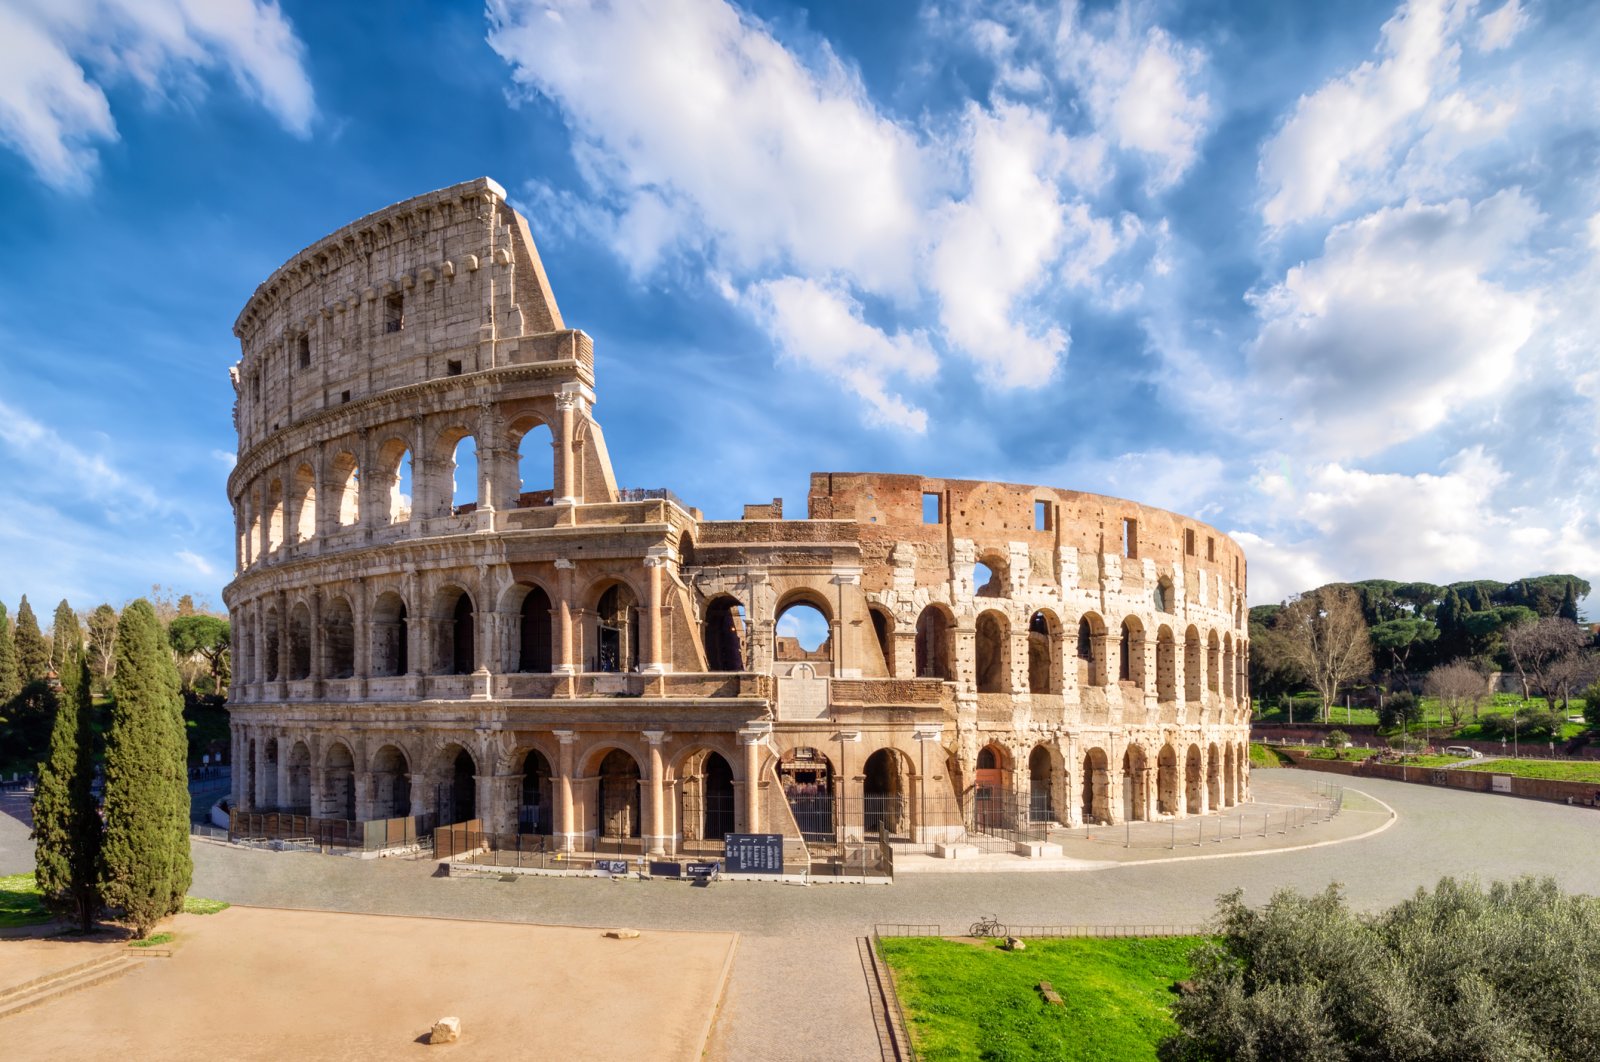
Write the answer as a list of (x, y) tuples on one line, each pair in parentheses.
[(112, 963)]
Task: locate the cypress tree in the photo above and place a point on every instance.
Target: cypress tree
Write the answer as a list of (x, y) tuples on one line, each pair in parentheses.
[(66, 820), (10, 683), (33, 656), (1569, 604), (66, 640), (145, 863)]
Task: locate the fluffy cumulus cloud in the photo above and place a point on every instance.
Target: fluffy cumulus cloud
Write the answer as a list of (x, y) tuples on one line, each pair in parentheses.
[(58, 56), (702, 137), (1398, 324)]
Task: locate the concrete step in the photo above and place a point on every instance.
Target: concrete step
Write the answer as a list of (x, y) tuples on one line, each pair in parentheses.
[(107, 956), (56, 986)]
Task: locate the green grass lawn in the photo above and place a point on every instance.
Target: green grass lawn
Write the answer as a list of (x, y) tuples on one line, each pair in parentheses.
[(975, 1001), (1429, 759), (1556, 770), (20, 904), (1356, 753), (1263, 756)]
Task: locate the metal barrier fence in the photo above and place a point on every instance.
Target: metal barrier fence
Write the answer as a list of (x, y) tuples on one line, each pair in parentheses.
[(1034, 931), (372, 835), (1235, 824)]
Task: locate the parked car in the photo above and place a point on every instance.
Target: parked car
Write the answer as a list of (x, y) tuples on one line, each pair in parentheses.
[(1463, 751)]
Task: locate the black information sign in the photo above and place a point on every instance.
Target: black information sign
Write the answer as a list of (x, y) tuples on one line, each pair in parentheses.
[(754, 853), (612, 866), (659, 869), (703, 870)]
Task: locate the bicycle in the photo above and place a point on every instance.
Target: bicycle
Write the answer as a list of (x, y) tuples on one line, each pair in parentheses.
[(987, 926)]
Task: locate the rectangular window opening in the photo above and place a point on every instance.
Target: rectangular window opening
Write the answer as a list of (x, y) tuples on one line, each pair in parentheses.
[(394, 313), (303, 348), (1188, 541), (344, 396), (930, 508), (1130, 539), (453, 367), (1041, 516), (1211, 548)]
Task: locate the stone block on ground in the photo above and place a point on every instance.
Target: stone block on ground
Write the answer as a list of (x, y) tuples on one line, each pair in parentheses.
[(1038, 849), (955, 851), (623, 934), (445, 1031)]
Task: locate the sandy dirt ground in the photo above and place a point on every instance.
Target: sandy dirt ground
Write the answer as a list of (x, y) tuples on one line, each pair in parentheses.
[(254, 983)]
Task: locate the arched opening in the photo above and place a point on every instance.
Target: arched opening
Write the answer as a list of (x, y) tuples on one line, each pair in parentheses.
[(390, 636), (1044, 636), (716, 789), (391, 784), (461, 798), (535, 633), (1166, 665), (1041, 807), (273, 634), (249, 788), (724, 634), (464, 475), (933, 644), (1091, 650), (989, 576), (617, 796), (305, 504), (535, 463), (1229, 797), (616, 631), (274, 515), (804, 635), (884, 788), (807, 777), (1096, 800), (339, 783), (1135, 786), (1193, 667), (299, 642), (454, 624), (883, 633), (1163, 598), (535, 814), (269, 777), (394, 480), (339, 638), (1214, 776), (299, 779), (1132, 655), (993, 644), (1213, 662), (991, 792), (1227, 668), (1194, 781), (1167, 781), (345, 485)]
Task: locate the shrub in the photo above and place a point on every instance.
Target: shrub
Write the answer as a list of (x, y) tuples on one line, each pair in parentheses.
[(1399, 710), (1337, 740), (1591, 706)]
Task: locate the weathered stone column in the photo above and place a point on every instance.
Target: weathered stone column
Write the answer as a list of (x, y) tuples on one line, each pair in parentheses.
[(653, 662), (565, 828), (751, 740), (655, 842), (319, 647), (566, 662), (284, 642), (566, 431), (258, 799)]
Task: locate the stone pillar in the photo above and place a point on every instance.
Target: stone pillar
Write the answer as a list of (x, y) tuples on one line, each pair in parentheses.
[(566, 647), (319, 648), (565, 828), (751, 740), (235, 766), (655, 840), (565, 436), (653, 663), (284, 642), (362, 633), (258, 799), (326, 515)]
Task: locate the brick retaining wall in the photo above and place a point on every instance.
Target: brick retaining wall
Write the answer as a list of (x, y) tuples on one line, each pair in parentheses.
[(1586, 794)]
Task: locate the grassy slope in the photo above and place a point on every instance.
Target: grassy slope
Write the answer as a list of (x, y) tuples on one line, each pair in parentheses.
[(20, 904), (1558, 770), (967, 1001)]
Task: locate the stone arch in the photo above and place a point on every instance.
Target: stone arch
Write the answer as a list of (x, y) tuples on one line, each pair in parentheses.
[(1166, 665), (1091, 650), (935, 646), (992, 644), (455, 631), (533, 442), (1229, 771), (394, 481), (1044, 652), (991, 790), (272, 635), (344, 487), (1214, 776), (1096, 796), (455, 795), (1130, 665), (304, 489), (885, 791), (536, 802), (616, 627), (390, 774), (338, 782), (1193, 665), (1135, 784), (464, 455), (339, 638), (299, 641), (299, 776), (530, 643), (1227, 668), (1213, 662), (1043, 770), (1168, 791), (725, 634), (275, 515), (991, 575), (391, 642), (706, 802), (1163, 596), (617, 779), (883, 627), (807, 776), (805, 611), (269, 779), (1194, 781)]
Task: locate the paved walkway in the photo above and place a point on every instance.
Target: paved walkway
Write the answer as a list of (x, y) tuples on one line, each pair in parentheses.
[(797, 991)]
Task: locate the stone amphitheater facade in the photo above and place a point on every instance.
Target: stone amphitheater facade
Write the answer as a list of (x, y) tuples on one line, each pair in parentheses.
[(559, 655)]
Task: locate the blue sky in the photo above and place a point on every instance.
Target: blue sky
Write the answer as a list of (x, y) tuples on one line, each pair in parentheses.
[(1321, 274)]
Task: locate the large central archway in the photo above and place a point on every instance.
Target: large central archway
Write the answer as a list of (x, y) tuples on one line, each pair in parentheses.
[(535, 812), (885, 786), (617, 797), (807, 777)]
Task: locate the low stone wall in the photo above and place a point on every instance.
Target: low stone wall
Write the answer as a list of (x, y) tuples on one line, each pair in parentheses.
[(1586, 794)]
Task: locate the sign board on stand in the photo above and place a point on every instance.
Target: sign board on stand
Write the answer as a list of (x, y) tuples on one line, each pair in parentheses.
[(754, 853)]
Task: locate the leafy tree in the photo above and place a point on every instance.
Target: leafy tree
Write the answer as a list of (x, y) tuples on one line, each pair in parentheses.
[(102, 640), (1325, 639), (1463, 972), (207, 638), (1337, 740), (1398, 637), (1399, 710), (1591, 706), (10, 682), (27, 724), (1569, 605), (33, 655), (66, 820), (65, 638), (146, 868)]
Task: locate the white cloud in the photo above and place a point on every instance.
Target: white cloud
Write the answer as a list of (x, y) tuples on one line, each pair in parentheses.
[(56, 56), (1188, 483), (199, 564), (820, 327), (1500, 27), (1348, 130), (1140, 84), (43, 449), (1397, 324)]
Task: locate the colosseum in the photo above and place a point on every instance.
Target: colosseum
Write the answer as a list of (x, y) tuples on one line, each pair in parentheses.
[(446, 607)]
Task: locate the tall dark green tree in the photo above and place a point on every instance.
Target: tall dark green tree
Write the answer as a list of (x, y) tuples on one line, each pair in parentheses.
[(145, 863), (33, 656), (66, 820), (10, 683), (61, 648), (1569, 604)]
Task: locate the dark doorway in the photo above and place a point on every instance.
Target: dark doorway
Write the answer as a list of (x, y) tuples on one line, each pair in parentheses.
[(718, 798), (883, 792), (464, 788), (535, 815), (724, 635), (808, 785), (536, 634), (465, 660), (618, 796)]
